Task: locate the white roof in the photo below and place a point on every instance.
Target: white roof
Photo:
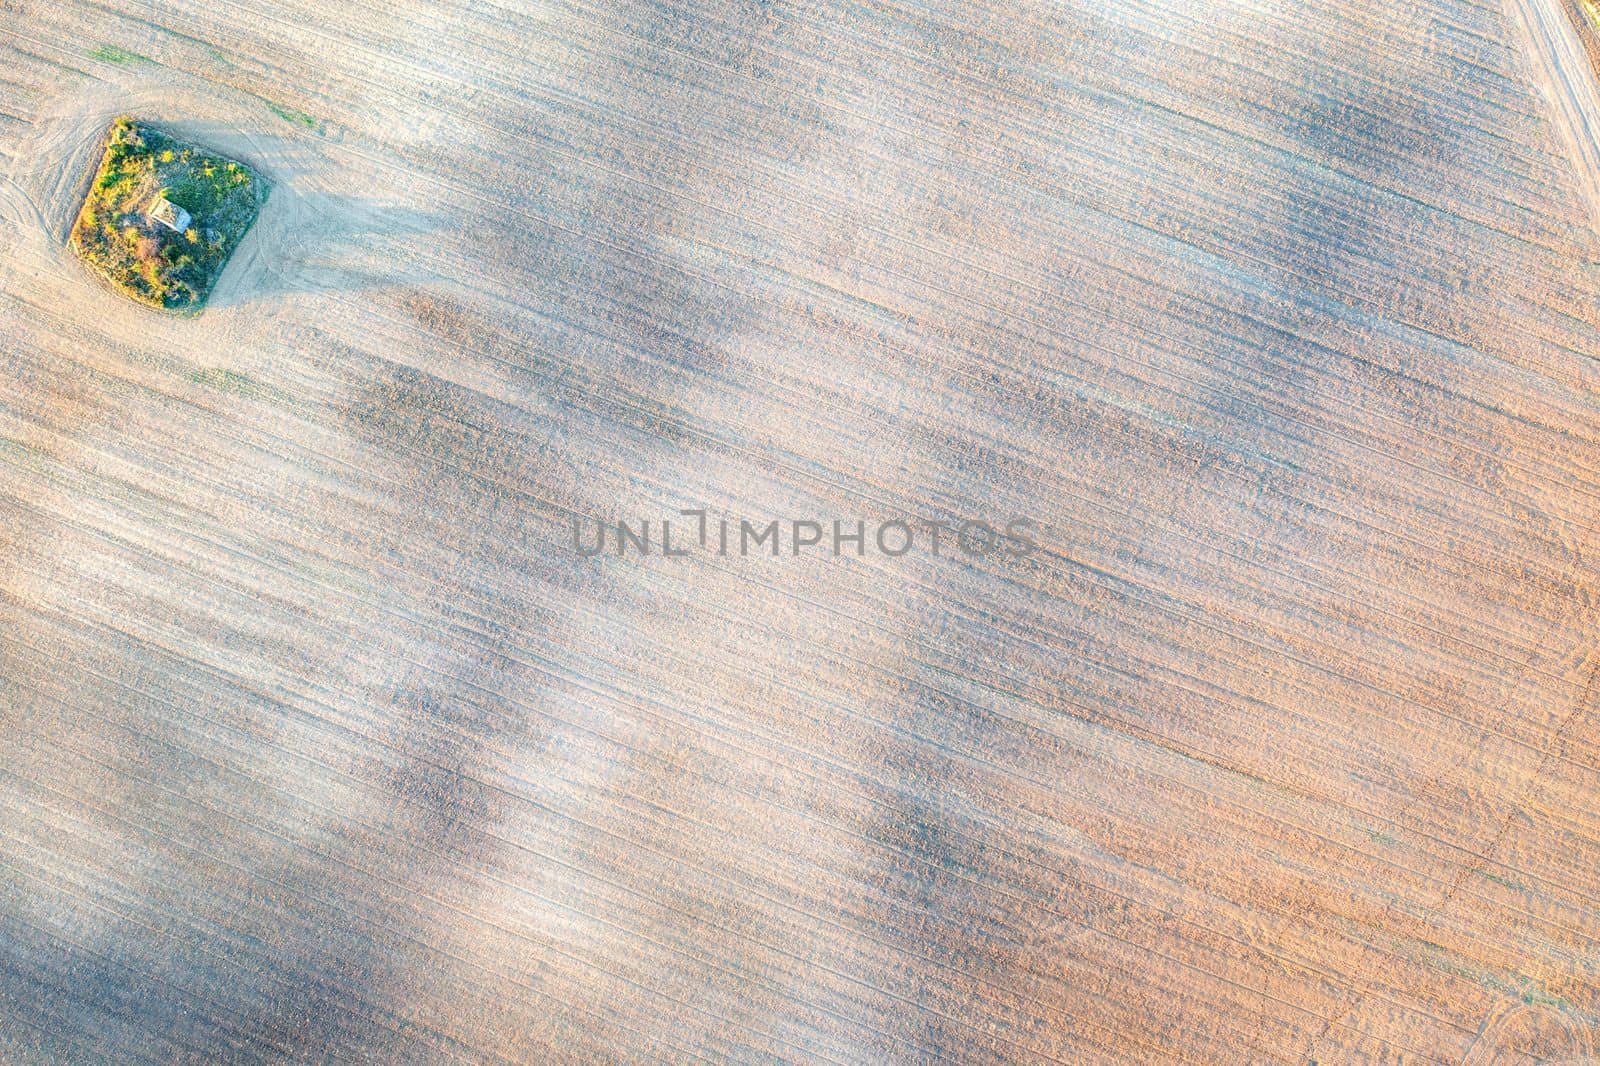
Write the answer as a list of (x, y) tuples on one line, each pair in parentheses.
[(169, 214)]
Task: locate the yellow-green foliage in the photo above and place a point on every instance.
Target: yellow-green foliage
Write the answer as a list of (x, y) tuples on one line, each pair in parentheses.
[(143, 259)]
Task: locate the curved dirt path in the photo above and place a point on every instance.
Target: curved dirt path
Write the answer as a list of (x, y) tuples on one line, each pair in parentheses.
[(1561, 68)]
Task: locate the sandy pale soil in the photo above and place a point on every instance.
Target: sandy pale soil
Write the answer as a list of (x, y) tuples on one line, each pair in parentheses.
[(318, 741)]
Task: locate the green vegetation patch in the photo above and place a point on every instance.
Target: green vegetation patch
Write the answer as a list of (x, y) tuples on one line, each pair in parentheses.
[(289, 114), (225, 380), (1515, 886), (110, 53), (164, 216)]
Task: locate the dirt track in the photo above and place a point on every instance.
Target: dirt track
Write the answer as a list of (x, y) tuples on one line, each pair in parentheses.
[(1280, 320), (1562, 70)]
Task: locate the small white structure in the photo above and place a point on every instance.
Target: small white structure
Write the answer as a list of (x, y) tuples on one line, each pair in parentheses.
[(169, 214)]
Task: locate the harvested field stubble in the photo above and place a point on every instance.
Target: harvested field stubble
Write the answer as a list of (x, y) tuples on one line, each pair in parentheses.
[(320, 741)]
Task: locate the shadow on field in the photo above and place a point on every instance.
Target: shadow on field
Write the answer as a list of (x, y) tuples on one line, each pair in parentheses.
[(307, 239), (327, 244)]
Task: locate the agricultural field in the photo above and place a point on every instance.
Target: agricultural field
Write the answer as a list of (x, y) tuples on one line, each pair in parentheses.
[(1279, 322)]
